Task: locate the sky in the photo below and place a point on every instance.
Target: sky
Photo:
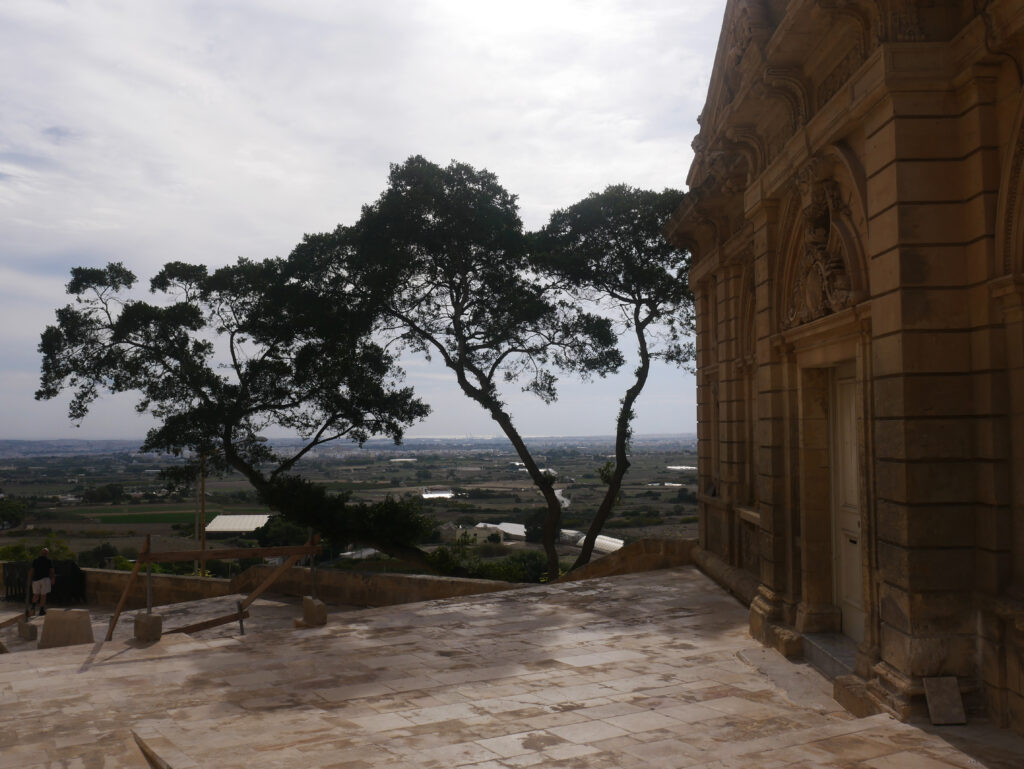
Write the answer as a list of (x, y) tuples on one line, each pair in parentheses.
[(197, 131)]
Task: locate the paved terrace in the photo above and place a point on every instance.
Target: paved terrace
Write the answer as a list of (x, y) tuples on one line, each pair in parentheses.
[(648, 670)]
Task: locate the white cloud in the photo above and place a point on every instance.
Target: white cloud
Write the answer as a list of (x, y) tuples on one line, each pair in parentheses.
[(144, 132)]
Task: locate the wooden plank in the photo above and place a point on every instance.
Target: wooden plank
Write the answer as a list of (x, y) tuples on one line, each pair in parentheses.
[(209, 623), (237, 552), (154, 761), (12, 620), (128, 587), (272, 578)]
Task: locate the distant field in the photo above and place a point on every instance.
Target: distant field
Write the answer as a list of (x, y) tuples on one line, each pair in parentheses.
[(167, 518)]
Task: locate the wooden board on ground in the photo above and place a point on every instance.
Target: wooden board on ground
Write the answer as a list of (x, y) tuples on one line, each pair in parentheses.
[(945, 705)]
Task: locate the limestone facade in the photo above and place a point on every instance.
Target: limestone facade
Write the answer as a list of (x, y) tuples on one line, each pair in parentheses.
[(856, 224)]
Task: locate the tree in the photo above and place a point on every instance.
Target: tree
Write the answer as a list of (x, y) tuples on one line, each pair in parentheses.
[(228, 355), (443, 254), (111, 492), (12, 513), (278, 530), (608, 249)]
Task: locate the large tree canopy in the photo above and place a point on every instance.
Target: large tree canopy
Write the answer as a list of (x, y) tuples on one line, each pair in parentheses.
[(443, 255), (227, 355), (608, 249)]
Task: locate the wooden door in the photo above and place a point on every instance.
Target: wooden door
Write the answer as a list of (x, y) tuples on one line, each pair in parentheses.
[(846, 513)]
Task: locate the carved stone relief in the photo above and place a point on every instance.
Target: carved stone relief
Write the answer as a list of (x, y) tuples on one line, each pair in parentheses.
[(906, 22), (821, 280), (1012, 214), (840, 75)]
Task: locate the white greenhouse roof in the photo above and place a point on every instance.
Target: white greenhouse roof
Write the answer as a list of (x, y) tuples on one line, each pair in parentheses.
[(236, 524)]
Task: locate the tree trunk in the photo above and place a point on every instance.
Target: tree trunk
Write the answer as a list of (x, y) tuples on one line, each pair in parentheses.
[(622, 433)]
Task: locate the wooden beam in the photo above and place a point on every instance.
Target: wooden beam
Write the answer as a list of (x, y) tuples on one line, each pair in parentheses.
[(12, 620), (236, 552), (310, 546), (209, 623), (124, 595), (152, 759)]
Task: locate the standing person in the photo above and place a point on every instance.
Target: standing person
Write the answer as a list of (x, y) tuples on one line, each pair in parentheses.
[(42, 576)]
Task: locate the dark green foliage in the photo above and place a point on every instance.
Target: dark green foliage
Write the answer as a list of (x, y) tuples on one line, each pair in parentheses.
[(97, 557), (228, 354), (686, 495), (12, 513), (609, 249), (535, 525), (464, 558), (279, 530), (111, 492), (443, 254), (23, 551), (524, 566)]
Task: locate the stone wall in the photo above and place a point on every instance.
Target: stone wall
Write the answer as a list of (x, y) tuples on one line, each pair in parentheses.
[(855, 217), (645, 555), (103, 587), (366, 589)]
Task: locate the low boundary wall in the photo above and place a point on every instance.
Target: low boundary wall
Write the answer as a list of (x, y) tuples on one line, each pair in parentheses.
[(643, 555), (367, 588), (103, 587)]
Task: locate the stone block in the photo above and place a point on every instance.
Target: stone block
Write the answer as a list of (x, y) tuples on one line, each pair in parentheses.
[(852, 693), (919, 656), (928, 614), (921, 352), (993, 483), (992, 571), (937, 308), (891, 481), (993, 668), (926, 482), (27, 631), (926, 569), (66, 628), (883, 235), (993, 527), (148, 627), (924, 438), (925, 526), (886, 313), (314, 612), (992, 437), (932, 265)]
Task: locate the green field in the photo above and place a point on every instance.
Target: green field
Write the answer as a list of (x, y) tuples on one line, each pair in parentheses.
[(168, 518)]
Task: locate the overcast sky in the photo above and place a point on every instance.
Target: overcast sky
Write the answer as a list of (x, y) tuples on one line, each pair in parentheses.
[(204, 131)]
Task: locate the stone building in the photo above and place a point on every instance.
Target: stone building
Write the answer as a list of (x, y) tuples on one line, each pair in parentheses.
[(856, 220)]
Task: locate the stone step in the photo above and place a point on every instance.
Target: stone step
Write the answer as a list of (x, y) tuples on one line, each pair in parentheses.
[(832, 654)]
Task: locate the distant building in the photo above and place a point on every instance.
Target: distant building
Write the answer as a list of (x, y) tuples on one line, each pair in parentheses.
[(236, 524)]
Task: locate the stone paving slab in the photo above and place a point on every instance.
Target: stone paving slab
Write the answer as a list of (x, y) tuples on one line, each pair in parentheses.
[(649, 670)]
